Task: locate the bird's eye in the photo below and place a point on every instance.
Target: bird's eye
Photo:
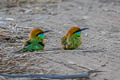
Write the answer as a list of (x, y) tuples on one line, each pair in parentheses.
[(40, 35)]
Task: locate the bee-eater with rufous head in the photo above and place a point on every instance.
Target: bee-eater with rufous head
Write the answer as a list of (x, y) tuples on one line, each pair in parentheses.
[(35, 41), (72, 39)]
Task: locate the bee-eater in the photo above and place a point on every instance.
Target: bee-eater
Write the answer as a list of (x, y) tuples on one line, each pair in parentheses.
[(72, 39), (35, 41)]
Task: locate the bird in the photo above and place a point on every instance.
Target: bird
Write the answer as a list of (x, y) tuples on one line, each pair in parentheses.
[(35, 41), (72, 38)]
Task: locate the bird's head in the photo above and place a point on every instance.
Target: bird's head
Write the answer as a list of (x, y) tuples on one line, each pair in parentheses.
[(74, 30), (37, 33)]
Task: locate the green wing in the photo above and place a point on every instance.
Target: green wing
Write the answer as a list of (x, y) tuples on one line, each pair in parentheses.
[(63, 40), (74, 41), (32, 45), (26, 46)]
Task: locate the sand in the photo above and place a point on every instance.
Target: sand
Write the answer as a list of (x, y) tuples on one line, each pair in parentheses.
[(100, 47)]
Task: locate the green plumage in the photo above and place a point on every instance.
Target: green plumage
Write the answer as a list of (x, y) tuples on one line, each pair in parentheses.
[(32, 45), (73, 42), (35, 41)]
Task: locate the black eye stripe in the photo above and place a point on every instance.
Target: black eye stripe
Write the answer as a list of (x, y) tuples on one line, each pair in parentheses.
[(77, 31), (39, 33), (43, 32), (81, 30)]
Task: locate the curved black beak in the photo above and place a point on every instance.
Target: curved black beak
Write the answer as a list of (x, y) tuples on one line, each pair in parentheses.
[(47, 31), (83, 29)]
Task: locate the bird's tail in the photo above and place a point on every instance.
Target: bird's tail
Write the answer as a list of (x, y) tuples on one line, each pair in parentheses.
[(20, 51)]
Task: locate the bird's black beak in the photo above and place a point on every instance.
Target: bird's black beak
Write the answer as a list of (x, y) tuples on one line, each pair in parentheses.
[(47, 31), (83, 29)]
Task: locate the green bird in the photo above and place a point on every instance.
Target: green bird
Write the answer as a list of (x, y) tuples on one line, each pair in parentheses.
[(72, 39), (35, 41)]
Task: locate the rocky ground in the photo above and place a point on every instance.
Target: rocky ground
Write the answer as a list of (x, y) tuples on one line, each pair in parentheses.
[(101, 43)]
